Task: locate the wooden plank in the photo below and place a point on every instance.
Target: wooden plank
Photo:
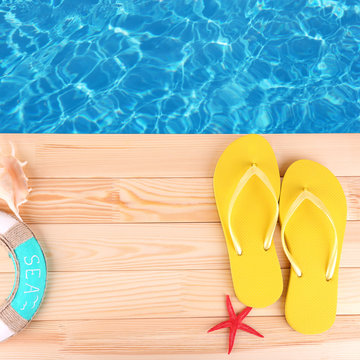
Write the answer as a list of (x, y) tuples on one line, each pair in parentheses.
[(190, 336), (147, 339), (163, 246), (52, 155), (136, 200), (155, 294)]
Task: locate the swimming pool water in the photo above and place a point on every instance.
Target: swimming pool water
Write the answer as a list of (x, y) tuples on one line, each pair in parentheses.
[(179, 66)]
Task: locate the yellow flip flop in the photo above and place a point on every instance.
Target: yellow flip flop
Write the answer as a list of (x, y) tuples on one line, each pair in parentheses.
[(247, 187), (313, 218)]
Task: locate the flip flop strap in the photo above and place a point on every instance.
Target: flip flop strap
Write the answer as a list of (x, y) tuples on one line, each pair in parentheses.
[(253, 171), (307, 195)]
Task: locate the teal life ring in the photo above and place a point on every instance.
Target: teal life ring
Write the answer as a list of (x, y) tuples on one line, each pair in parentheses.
[(30, 276)]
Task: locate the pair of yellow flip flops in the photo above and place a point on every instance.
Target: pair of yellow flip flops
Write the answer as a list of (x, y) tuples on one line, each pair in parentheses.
[(312, 211)]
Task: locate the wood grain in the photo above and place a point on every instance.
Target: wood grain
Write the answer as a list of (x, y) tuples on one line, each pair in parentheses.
[(52, 155), (162, 246), (136, 200), (137, 259), (132, 339), (155, 294)]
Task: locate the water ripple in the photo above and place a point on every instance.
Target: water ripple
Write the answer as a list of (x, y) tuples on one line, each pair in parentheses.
[(179, 66)]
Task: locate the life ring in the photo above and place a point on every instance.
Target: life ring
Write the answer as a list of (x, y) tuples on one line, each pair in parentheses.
[(30, 276)]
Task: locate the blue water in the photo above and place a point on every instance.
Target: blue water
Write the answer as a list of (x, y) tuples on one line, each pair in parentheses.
[(179, 66)]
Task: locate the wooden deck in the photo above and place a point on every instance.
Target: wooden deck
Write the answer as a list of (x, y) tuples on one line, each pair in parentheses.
[(137, 262)]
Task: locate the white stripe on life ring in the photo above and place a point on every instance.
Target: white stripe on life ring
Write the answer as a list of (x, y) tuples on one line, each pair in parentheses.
[(6, 222), (5, 332)]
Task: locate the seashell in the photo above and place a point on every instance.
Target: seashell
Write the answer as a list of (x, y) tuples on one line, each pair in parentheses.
[(14, 188)]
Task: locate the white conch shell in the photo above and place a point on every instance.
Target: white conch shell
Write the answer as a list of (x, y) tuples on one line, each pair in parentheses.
[(13, 181)]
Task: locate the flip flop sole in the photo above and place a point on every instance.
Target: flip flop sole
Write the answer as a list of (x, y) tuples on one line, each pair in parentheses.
[(311, 299), (256, 274)]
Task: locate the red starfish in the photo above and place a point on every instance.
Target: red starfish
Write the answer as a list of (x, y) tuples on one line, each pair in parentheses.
[(235, 323)]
